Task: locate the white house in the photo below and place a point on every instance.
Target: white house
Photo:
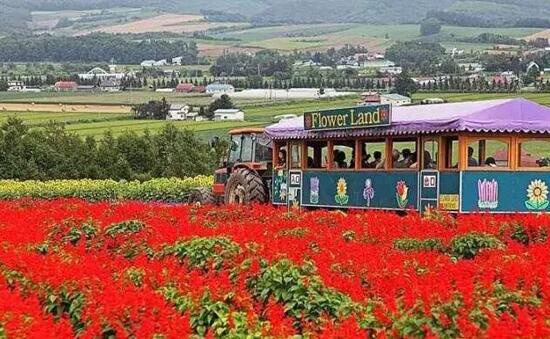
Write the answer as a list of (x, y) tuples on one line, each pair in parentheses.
[(148, 63), (395, 99), (162, 62), (228, 114), (177, 61), (165, 90), (178, 112), (391, 69), (216, 87)]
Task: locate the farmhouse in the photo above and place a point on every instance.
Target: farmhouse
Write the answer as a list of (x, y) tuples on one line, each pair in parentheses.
[(391, 70), (185, 88), (395, 99), (178, 112), (177, 61), (110, 85), (65, 86), (217, 87), (228, 114)]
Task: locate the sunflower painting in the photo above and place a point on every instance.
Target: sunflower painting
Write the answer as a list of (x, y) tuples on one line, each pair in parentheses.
[(341, 196), (537, 195)]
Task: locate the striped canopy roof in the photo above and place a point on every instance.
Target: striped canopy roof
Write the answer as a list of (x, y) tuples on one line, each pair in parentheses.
[(497, 116)]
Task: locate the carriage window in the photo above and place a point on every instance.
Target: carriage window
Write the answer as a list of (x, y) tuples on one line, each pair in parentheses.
[(488, 153), (404, 154), (451, 152), (295, 156), (343, 154), (317, 152), (534, 153), (430, 155), (373, 154)]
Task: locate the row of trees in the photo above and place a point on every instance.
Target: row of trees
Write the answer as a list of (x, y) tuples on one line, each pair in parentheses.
[(54, 153), (94, 47)]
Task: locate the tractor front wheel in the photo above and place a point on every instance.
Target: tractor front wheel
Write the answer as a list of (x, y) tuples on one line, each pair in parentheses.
[(244, 187), (201, 196)]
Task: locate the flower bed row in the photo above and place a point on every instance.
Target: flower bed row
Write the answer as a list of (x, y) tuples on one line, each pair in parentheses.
[(162, 190), (132, 269)]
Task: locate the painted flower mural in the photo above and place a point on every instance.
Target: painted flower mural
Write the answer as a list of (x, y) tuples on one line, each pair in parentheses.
[(341, 197), (537, 195), (487, 194), (402, 192), (368, 192), (314, 190)]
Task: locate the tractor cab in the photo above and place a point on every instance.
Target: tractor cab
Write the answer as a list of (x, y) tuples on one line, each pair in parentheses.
[(245, 174)]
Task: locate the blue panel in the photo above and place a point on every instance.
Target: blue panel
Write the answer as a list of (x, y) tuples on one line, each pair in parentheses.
[(505, 191), (374, 189)]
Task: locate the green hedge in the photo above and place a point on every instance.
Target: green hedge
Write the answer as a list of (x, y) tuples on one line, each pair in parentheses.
[(162, 190)]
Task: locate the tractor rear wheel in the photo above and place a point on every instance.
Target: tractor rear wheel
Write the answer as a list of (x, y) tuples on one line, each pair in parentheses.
[(244, 187), (201, 196)]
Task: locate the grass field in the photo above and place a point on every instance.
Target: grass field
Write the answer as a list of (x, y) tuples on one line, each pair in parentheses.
[(95, 124), (375, 37)]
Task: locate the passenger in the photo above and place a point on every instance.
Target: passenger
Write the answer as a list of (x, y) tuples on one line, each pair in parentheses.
[(377, 163), (310, 162), (395, 158), (428, 163), (471, 160), (340, 159), (407, 160), (490, 162), (413, 159), (281, 163)]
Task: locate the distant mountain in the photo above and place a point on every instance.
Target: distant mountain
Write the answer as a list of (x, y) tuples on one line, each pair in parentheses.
[(15, 14)]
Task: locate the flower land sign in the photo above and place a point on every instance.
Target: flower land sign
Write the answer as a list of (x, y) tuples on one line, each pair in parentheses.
[(537, 196), (352, 117)]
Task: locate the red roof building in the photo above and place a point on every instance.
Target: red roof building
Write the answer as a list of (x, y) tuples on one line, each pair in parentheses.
[(66, 86), (199, 89), (185, 88)]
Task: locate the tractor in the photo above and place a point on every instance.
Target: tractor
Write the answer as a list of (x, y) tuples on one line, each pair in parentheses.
[(245, 174)]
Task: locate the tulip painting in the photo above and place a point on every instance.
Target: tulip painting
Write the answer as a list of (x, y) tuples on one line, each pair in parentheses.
[(487, 194), (402, 192)]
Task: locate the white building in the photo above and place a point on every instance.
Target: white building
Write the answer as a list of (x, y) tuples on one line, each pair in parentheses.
[(101, 74), (395, 99), (165, 90), (159, 63), (178, 112), (177, 61), (391, 69), (228, 114), (148, 63), (216, 87)]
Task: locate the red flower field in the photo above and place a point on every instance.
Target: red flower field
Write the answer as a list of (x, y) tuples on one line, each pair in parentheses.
[(71, 268)]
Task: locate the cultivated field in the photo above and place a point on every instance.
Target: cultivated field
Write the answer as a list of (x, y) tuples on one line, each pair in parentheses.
[(63, 108), (177, 23)]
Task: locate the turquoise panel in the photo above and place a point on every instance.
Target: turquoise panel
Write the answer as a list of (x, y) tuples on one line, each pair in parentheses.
[(349, 189), (505, 191)]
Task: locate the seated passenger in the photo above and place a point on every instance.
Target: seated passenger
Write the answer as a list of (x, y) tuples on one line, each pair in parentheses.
[(377, 163), (490, 162), (428, 163), (407, 160), (281, 163), (471, 160), (395, 158), (310, 162), (413, 160), (339, 159)]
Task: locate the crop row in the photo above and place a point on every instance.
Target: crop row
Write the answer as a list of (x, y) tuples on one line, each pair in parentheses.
[(170, 190)]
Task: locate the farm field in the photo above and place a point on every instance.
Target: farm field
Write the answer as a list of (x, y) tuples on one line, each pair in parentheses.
[(176, 23), (145, 270), (540, 98), (41, 118), (375, 37)]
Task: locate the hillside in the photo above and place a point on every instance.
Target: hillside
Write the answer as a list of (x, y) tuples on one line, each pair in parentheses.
[(484, 13)]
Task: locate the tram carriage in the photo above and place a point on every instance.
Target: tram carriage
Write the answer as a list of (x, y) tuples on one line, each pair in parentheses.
[(488, 156)]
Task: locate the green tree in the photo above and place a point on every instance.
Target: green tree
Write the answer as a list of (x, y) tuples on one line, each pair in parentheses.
[(430, 26), (404, 85), (223, 102)]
